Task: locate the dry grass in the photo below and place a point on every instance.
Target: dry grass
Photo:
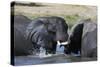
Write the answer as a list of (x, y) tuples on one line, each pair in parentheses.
[(71, 13)]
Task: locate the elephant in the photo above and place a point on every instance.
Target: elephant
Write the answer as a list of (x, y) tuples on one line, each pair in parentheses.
[(46, 31), (83, 39), (30, 35), (21, 45)]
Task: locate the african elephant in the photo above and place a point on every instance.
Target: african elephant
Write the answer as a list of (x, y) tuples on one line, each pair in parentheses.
[(30, 35), (21, 45), (83, 38)]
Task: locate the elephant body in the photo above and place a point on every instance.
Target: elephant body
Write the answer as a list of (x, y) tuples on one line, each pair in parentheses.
[(84, 39), (89, 40), (21, 45), (30, 35)]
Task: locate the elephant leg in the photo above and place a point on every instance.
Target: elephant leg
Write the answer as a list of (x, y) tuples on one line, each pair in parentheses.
[(67, 49), (54, 47), (94, 54), (52, 50)]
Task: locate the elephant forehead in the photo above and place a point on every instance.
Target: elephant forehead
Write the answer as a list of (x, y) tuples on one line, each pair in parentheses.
[(89, 27)]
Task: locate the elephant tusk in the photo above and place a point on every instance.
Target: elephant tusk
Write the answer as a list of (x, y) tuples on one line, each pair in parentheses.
[(63, 43), (58, 43)]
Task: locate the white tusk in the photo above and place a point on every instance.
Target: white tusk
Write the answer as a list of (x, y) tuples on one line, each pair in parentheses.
[(58, 43), (63, 43)]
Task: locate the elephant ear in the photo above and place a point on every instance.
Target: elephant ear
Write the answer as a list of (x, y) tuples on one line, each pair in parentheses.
[(32, 26)]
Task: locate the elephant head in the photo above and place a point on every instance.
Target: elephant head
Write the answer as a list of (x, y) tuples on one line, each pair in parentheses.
[(46, 31), (58, 27)]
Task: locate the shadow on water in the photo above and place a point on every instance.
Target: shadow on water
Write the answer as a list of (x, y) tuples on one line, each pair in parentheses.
[(57, 58)]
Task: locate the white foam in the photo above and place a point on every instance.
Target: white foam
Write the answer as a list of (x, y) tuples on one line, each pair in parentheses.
[(42, 53), (59, 50)]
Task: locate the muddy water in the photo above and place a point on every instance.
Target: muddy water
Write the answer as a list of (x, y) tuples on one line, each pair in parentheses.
[(57, 58)]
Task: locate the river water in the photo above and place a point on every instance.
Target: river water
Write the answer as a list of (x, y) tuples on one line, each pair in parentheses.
[(59, 57)]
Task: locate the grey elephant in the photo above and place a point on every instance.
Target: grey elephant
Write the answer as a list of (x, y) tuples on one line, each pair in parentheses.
[(41, 32), (21, 45), (83, 39)]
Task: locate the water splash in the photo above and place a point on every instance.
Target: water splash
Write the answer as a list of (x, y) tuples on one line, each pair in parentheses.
[(42, 53), (60, 50)]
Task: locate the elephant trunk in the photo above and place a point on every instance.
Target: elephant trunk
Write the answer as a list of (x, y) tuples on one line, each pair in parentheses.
[(61, 37)]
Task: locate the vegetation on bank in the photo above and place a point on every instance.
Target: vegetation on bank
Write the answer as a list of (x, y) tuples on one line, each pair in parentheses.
[(71, 13)]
